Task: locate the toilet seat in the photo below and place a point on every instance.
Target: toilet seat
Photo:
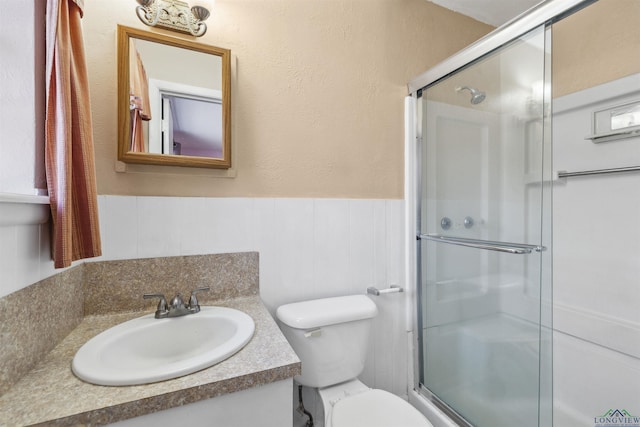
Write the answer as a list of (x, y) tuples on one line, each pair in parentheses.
[(376, 408)]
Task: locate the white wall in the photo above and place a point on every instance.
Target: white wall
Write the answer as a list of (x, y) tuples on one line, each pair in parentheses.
[(24, 241), (22, 100), (25, 254), (596, 263)]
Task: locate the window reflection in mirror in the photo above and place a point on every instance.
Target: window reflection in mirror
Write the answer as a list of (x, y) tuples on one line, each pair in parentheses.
[(175, 100)]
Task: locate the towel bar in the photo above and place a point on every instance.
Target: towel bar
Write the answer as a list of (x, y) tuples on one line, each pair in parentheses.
[(512, 248), (563, 174)]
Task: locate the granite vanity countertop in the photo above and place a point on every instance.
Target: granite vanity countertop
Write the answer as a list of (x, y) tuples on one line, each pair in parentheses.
[(50, 394)]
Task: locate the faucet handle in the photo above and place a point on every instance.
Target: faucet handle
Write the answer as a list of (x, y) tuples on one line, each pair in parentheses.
[(193, 301), (162, 308)]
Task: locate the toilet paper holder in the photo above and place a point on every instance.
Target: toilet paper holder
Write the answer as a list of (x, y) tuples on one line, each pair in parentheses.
[(390, 290)]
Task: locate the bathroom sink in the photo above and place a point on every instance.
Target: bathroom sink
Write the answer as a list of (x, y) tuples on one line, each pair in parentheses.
[(146, 350)]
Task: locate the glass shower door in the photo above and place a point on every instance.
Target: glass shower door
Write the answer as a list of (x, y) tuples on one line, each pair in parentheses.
[(484, 229)]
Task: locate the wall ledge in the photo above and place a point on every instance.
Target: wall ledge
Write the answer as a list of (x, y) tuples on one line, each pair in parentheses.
[(23, 209), (598, 328)]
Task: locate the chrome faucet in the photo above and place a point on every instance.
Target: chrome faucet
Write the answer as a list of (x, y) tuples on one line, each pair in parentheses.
[(177, 307)]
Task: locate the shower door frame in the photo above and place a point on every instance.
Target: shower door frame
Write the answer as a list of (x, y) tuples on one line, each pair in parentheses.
[(545, 13)]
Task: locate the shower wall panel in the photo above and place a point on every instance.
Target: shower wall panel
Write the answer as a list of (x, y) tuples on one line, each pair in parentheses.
[(596, 262)]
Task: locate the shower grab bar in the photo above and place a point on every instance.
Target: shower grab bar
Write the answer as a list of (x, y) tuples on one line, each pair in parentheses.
[(563, 174), (490, 245)]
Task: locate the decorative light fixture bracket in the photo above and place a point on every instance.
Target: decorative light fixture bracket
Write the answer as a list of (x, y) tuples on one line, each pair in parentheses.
[(174, 15)]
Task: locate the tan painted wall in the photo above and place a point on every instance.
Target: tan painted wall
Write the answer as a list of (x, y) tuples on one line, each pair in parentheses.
[(596, 45), (317, 94)]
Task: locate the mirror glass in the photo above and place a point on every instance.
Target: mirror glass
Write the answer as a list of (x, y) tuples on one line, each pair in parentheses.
[(173, 101)]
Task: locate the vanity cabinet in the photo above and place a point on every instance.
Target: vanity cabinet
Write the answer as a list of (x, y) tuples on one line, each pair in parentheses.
[(269, 405)]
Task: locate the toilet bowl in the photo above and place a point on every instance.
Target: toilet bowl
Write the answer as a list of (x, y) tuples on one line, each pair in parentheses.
[(330, 336), (353, 404)]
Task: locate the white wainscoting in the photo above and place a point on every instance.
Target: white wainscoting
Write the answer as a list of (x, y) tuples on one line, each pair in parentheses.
[(309, 248)]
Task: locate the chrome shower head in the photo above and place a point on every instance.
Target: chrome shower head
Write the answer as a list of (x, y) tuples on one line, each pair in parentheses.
[(477, 96)]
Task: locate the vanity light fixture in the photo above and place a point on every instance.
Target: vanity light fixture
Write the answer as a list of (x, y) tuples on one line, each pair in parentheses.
[(174, 15)]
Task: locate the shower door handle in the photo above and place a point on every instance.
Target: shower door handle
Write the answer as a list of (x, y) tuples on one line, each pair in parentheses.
[(507, 247)]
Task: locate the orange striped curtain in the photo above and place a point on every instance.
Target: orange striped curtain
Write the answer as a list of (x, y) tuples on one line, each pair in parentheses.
[(69, 155)]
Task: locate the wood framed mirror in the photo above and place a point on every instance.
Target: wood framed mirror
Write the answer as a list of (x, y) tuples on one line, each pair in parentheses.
[(174, 101)]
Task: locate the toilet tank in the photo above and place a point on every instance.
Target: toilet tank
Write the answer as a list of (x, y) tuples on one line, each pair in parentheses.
[(330, 336)]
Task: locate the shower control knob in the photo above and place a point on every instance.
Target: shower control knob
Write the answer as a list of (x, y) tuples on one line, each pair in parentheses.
[(468, 222), (445, 223)]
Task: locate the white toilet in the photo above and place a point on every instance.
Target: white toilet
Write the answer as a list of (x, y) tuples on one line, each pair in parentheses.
[(330, 336)]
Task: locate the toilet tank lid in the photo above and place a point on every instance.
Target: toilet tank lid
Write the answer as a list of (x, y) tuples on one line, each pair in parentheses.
[(326, 311)]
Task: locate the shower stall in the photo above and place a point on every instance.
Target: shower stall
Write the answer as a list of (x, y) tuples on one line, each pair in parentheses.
[(481, 243)]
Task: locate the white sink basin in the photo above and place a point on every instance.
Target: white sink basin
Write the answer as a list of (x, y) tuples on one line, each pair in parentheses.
[(147, 350)]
